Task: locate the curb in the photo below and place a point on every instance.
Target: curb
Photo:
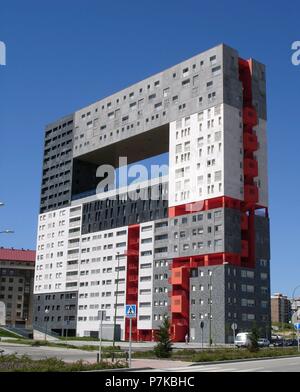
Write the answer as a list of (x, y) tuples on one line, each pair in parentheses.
[(243, 360), (117, 370)]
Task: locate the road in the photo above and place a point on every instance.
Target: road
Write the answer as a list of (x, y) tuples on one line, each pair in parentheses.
[(291, 364), (67, 355), (262, 365)]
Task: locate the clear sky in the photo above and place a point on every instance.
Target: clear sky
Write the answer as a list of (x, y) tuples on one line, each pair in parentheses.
[(63, 55)]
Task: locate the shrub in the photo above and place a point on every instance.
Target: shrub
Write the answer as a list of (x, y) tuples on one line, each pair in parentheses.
[(254, 336), (163, 348)]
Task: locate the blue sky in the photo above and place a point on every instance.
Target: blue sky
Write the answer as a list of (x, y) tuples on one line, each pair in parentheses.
[(63, 55)]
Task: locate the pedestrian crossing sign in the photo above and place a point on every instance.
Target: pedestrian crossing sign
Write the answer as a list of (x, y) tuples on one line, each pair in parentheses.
[(130, 311)]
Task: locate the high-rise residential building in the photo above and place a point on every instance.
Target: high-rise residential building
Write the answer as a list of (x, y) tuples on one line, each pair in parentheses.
[(16, 287), (192, 242), (280, 308)]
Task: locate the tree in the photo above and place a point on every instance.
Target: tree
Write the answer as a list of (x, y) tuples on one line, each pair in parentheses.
[(254, 336), (163, 348)]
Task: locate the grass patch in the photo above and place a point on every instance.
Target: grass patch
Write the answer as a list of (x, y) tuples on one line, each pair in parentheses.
[(12, 363), (83, 339), (210, 355), (231, 354), (7, 334)]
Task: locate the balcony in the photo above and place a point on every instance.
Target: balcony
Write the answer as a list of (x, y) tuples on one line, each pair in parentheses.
[(179, 304), (249, 116), (132, 291), (251, 193), (244, 222), (180, 277), (250, 167), (132, 279), (133, 267), (245, 248), (250, 142)]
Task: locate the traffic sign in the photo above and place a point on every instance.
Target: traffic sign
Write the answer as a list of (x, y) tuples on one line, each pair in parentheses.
[(130, 311), (233, 326), (101, 315), (297, 326)]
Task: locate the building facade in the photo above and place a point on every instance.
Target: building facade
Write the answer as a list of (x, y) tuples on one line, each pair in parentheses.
[(16, 286), (280, 308), (190, 242)]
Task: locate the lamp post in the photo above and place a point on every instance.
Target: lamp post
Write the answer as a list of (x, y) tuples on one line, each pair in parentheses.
[(294, 301), (7, 231), (46, 312), (116, 303), (210, 300)]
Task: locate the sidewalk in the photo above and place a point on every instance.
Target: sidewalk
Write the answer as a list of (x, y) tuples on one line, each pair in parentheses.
[(158, 363)]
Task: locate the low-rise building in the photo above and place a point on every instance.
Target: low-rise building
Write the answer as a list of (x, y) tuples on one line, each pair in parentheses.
[(16, 286), (280, 308)]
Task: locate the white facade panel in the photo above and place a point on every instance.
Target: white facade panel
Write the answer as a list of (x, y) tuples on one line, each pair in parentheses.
[(98, 279), (262, 160), (145, 296), (233, 153), (196, 157), (52, 248)]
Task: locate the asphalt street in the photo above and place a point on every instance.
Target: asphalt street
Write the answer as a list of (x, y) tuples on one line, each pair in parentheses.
[(262, 365), (291, 364), (67, 355)]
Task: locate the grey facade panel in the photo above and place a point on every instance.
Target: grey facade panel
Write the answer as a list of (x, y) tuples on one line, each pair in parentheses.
[(57, 165), (262, 236), (62, 312), (107, 214), (209, 278), (259, 89)]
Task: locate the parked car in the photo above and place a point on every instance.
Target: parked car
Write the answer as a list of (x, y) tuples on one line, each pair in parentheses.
[(242, 339), (291, 342), (263, 342)]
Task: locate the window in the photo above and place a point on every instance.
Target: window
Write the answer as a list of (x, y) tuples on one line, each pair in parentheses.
[(263, 275), (247, 274), (185, 72), (146, 253), (146, 240), (166, 92), (216, 71), (247, 288), (145, 278), (213, 60), (185, 83), (144, 318)]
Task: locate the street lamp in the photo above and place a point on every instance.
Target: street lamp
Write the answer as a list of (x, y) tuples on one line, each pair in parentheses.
[(46, 312), (210, 290), (116, 301), (7, 231)]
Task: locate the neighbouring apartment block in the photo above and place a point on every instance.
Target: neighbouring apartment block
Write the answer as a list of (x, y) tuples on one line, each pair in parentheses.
[(280, 308), (16, 287), (191, 243)]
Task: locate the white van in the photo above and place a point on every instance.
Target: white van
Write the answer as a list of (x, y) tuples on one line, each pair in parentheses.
[(242, 339)]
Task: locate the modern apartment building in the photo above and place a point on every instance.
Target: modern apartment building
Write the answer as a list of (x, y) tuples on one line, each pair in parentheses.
[(16, 287), (192, 241)]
